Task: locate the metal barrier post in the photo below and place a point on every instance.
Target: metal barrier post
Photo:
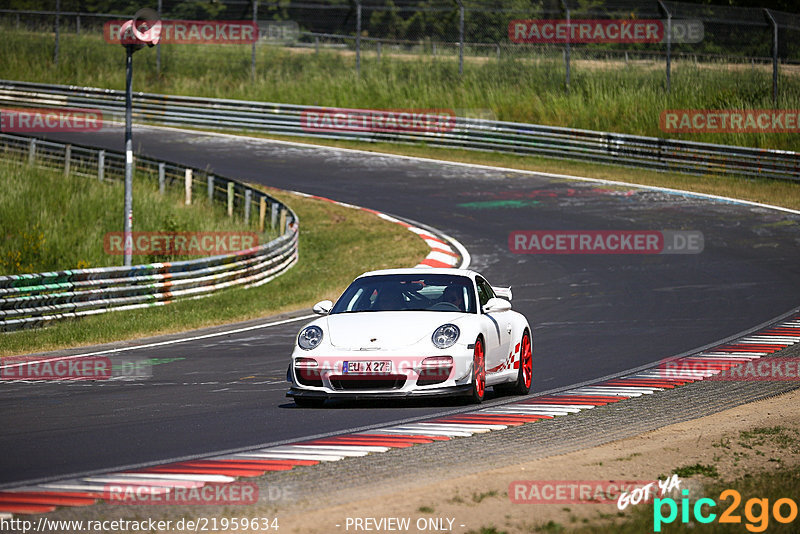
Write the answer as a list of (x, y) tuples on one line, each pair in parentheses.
[(67, 158), (262, 213), (187, 186), (101, 165), (248, 195), (161, 178), (210, 180), (274, 215), (230, 199), (32, 151)]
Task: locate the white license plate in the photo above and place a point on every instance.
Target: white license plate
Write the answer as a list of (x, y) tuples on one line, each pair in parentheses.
[(367, 366)]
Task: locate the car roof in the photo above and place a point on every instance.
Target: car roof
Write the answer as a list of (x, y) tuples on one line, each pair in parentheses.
[(422, 271)]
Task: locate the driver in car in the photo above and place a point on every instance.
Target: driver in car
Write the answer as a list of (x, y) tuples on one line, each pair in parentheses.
[(455, 296)]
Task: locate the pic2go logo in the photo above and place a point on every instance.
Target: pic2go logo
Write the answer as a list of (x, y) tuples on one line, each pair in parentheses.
[(757, 512)]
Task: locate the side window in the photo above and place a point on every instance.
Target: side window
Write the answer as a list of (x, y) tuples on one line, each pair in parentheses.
[(484, 291)]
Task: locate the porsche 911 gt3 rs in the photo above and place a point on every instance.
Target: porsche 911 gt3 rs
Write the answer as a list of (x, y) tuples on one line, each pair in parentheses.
[(413, 332)]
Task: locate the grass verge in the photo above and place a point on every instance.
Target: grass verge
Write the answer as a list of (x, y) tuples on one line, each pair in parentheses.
[(336, 245), (617, 98), (43, 232)]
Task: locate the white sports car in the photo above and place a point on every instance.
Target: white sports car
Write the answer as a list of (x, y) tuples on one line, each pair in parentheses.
[(413, 332)]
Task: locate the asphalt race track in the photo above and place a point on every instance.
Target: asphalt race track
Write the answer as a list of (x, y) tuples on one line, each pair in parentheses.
[(593, 315)]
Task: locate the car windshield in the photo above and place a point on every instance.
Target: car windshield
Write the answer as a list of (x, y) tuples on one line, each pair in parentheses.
[(408, 292)]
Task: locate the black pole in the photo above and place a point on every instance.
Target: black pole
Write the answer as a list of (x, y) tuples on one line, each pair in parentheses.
[(57, 31), (774, 25), (668, 14), (358, 37), (567, 59), (460, 38), (158, 46), (128, 224), (253, 47)]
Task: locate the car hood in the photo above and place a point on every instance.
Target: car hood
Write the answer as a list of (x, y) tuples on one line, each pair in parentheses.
[(385, 330)]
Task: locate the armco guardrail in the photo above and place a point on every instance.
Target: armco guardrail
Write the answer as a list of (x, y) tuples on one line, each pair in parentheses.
[(476, 134), (32, 300)]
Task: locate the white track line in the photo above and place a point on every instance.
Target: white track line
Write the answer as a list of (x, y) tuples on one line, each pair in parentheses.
[(284, 456), (217, 479), (122, 479), (169, 342)]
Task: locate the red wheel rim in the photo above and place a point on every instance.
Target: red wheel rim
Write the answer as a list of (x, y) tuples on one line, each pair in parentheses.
[(527, 361), (480, 374)]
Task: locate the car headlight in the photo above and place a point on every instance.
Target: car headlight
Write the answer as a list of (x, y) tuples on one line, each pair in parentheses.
[(309, 337), (445, 336)]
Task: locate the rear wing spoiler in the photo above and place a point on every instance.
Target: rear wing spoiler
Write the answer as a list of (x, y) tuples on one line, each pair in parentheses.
[(502, 292)]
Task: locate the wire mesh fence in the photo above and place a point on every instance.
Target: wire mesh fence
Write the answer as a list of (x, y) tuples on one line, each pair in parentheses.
[(472, 30)]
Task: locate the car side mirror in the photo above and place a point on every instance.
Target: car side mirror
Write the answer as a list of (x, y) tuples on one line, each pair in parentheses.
[(496, 305), (323, 307)]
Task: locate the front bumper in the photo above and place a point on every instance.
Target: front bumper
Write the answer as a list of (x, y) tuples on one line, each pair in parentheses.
[(407, 377), (449, 391)]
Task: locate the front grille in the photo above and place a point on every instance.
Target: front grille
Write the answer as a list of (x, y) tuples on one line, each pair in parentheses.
[(308, 377), (435, 375), (350, 382)]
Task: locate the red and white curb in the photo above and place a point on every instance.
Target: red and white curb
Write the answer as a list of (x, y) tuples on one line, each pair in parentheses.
[(83, 491), (442, 254)]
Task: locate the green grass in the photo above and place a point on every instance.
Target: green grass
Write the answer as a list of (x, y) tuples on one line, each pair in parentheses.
[(697, 469), (336, 245), (44, 232), (610, 97)]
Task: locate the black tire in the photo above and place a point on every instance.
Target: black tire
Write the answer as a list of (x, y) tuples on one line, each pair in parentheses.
[(522, 386), (308, 402)]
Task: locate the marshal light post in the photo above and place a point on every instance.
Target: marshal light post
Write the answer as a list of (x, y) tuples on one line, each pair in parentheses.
[(143, 30)]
